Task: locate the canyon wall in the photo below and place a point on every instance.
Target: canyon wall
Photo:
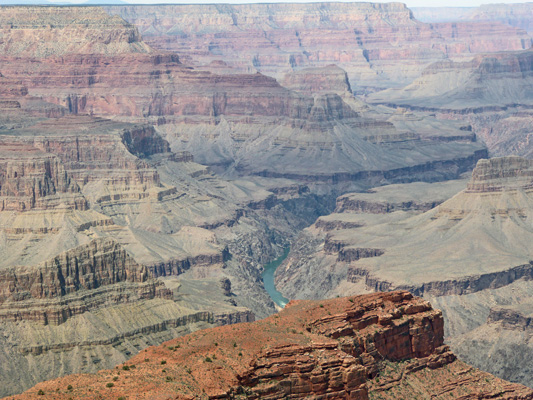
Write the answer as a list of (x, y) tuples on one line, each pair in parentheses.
[(470, 251), (242, 124), (367, 40)]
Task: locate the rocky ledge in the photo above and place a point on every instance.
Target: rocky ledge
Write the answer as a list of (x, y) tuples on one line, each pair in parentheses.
[(386, 345)]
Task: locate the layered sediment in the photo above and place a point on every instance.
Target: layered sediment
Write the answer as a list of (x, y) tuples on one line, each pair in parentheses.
[(359, 347), (492, 92), (367, 40), (242, 124), (472, 249)]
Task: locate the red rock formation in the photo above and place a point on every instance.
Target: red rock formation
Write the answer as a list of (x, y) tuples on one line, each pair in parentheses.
[(367, 40), (389, 345)]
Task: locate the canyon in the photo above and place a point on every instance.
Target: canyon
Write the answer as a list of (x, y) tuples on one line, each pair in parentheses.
[(241, 124), (154, 158), (368, 40), (463, 245)]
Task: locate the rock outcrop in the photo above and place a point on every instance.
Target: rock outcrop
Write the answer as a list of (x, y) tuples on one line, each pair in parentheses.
[(387, 345), (50, 31)]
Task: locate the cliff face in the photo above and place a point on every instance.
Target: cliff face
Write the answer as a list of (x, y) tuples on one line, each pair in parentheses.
[(387, 345), (497, 196), (367, 40), (242, 123), (41, 293), (491, 92), (487, 83), (30, 179), (46, 31)]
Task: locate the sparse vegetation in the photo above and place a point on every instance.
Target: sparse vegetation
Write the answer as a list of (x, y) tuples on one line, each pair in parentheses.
[(110, 385)]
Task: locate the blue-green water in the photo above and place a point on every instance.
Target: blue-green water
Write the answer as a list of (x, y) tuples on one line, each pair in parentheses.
[(268, 280)]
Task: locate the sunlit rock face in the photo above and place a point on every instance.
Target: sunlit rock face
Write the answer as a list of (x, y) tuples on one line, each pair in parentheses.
[(388, 344)]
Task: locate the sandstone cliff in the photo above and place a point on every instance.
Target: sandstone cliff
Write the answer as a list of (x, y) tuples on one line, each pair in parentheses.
[(364, 347)]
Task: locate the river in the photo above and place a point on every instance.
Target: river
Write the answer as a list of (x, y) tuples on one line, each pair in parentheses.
[(268, 280)]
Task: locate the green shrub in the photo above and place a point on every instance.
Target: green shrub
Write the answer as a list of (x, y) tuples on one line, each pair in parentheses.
[(110, 385)]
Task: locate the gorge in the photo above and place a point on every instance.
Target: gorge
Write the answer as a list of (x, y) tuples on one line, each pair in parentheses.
[(158, 162)]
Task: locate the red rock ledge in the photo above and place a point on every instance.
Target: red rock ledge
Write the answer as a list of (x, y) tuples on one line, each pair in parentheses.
[(378, 346)]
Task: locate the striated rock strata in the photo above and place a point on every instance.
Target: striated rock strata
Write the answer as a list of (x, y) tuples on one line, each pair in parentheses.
[(491, 92), (471, 255), (383, 345), (242, 124), (368, 40)]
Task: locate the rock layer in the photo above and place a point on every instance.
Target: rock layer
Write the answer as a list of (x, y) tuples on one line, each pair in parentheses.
[(240, 123), (472, 251), (357, 348), (367, 40)]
